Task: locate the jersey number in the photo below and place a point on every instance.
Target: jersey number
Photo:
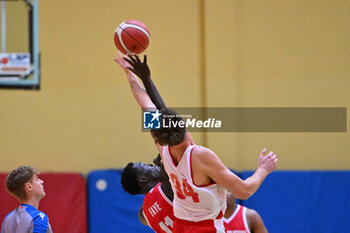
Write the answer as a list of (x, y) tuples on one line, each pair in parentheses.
[(166, 224), (184, 190)]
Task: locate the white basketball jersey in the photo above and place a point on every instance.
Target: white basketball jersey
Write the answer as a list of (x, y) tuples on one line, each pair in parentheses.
[(191, 202)]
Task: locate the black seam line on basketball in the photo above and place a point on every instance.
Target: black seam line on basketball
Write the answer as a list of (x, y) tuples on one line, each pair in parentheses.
[(132, 37)]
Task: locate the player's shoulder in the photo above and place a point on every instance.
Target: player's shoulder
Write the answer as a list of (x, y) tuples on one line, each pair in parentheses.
[(29, 219), (34, 212), (153, 193), (9, 214), (251, 212), (253, 216), (201, 150), (40, 221), (202, 153), (7, 217), (40, 216)]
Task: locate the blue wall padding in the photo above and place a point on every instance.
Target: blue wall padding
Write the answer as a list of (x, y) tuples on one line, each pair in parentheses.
[(112, 209), (288, 201), (303, 201)]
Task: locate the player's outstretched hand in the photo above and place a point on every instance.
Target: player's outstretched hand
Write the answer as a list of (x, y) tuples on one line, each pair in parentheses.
[(138, 67), (122, 63), (267, 162)]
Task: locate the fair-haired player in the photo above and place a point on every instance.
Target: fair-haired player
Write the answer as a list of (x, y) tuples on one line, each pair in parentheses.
[(24, 184), (197, 175)]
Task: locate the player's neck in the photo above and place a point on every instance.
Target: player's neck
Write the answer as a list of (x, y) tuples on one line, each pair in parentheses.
[(178, 150), (32, 202), (166, 188), (229, 210), (149, 186)]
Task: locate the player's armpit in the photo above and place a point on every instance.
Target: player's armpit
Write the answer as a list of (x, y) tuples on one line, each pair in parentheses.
[(255, 222), (209, 163), (142, 217)]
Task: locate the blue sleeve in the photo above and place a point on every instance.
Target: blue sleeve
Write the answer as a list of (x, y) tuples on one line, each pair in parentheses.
[(40, 223)]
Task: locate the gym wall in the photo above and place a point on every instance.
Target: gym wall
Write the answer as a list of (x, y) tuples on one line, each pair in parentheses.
[(202, 54)]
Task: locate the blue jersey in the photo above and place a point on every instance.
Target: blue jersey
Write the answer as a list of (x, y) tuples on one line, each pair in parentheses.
[(26, 219)]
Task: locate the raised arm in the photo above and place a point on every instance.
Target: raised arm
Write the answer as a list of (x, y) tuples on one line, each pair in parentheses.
[(137, 90), (207, 162), (142, 70)]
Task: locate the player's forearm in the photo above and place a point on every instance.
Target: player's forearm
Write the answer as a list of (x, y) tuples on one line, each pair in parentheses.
[(153, 93), (139, 93), (253, 182)]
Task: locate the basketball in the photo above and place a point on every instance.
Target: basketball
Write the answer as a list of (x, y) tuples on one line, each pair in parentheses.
[(132, 36)]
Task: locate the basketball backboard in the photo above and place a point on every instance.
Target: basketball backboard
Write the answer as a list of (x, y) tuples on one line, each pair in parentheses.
[(19, 35)]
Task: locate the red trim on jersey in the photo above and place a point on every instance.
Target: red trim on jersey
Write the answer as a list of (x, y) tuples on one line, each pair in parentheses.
[(238, 220), (164, 210), (220, 215), (233, 215), (245, 220), (206, 185), (191, 166), (172, 159)]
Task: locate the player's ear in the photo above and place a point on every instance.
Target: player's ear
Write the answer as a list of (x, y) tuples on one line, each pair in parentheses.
[(28, 186)]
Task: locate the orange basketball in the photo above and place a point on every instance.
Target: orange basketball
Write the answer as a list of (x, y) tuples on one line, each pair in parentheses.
[(132, 36)]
